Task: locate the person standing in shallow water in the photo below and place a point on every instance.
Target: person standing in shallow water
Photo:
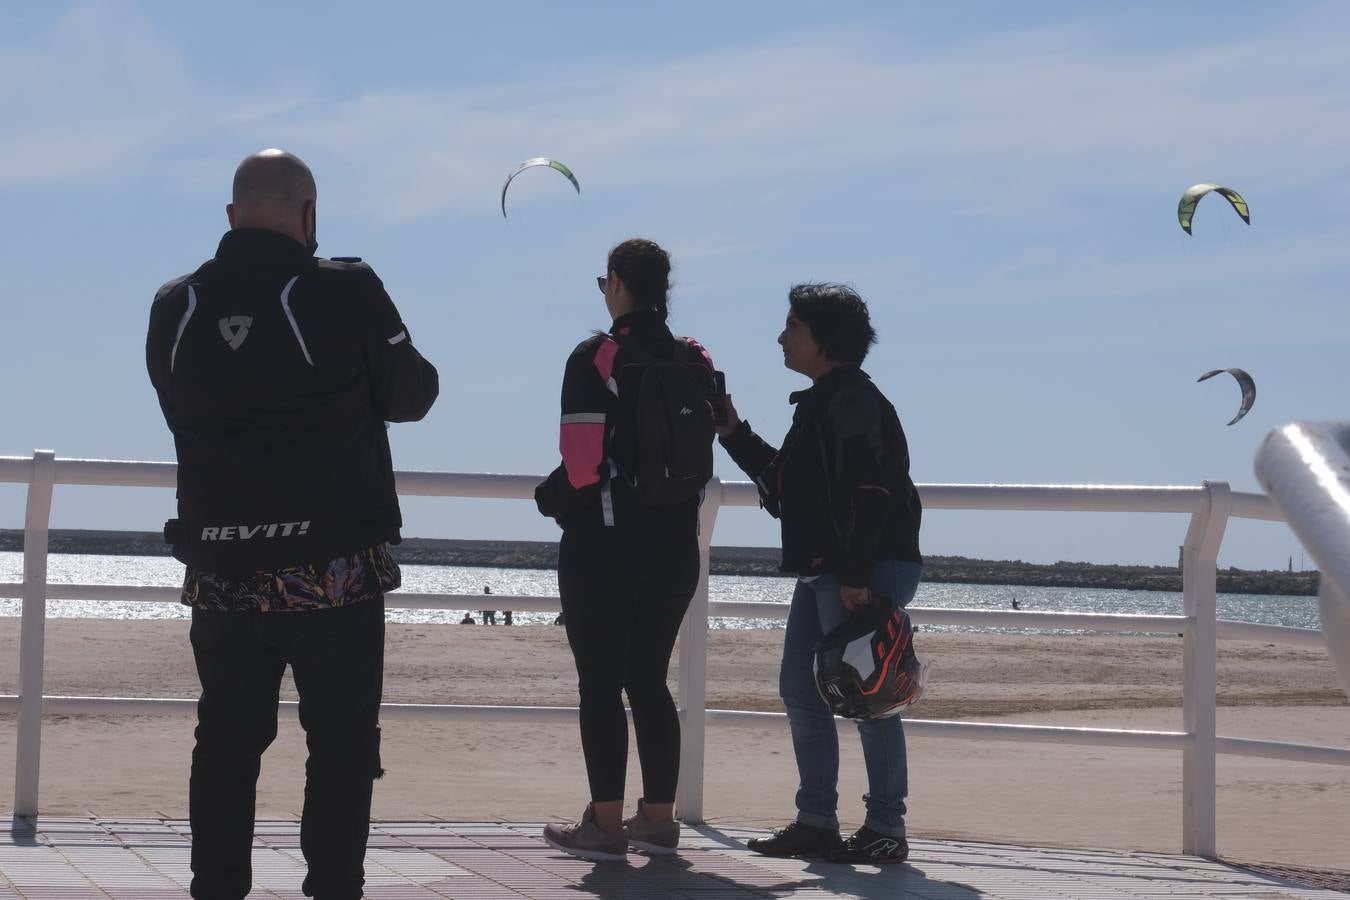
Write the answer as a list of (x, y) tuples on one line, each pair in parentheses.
[(840, 486), (276, 372), (489, 615), (627, 569)]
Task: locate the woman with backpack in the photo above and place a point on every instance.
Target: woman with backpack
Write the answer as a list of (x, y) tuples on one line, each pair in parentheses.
[(636, 439), (840, 486)]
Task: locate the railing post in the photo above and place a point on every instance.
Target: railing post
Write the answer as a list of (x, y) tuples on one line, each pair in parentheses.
[(1305, 469), (1200, 557), (694, 671), (1333, 609), (32, 636)]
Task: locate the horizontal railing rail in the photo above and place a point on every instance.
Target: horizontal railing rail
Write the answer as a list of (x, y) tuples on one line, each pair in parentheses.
[(412, 483), (729, 718), (1228, 629), (1209, 506)]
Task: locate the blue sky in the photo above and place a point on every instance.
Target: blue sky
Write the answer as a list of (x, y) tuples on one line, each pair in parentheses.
[(998, 181)]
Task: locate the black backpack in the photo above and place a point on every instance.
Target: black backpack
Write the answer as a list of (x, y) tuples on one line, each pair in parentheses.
[(669, 430)]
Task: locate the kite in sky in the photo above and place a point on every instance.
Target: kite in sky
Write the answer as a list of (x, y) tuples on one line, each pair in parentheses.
[(1245, 382), (1186, 208), (538, 161)]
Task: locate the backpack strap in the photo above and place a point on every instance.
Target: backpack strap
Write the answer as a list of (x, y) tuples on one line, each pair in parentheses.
[(635, 350)]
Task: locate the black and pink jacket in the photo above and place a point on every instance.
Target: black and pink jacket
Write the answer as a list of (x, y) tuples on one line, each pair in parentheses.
[(599, 389)]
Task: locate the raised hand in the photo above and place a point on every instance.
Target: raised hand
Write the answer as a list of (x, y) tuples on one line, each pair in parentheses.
[(733, 420)]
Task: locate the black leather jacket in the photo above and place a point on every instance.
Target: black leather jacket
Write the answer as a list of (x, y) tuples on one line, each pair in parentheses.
[(840, 483), (276, 372)]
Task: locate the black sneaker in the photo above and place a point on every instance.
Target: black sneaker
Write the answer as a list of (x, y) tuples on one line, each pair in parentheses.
[(868, 846), (798, 839)]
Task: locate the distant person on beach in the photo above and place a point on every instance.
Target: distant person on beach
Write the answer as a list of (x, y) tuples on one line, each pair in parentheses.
[(628, 563), (839, 483), (1014, 604), (489, 616), (506, 620), (467, 620), (276, 372)]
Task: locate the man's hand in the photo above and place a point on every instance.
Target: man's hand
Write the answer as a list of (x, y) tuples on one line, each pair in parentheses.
[(856, 599), (733, 420)]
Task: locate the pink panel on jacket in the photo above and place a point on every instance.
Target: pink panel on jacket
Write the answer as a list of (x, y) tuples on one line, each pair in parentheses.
[(704, 350), (582, 446), (604, 358)]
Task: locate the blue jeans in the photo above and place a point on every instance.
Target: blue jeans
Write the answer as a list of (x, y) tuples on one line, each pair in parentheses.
[(817, 607)]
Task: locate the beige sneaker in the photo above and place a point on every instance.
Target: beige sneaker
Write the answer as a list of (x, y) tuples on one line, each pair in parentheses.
[(649, 836), (587, 840)]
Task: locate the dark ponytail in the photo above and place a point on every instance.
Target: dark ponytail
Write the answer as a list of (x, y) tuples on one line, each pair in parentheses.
[(644, 268)]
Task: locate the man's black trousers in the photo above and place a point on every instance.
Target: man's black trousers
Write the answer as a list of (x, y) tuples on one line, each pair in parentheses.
[(337, 660)]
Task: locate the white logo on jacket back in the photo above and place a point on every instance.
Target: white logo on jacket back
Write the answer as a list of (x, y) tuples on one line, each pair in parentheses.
[(248, 532), (234, 329)]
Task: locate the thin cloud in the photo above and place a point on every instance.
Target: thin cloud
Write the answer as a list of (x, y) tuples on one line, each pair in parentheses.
[(983, 125), (103, 95), (1019, 114), (1049, 276)]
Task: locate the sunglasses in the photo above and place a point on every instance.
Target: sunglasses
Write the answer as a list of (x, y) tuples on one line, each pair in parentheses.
[(602, 280)]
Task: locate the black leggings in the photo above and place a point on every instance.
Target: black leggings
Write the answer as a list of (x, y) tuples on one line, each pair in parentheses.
[(623, 605)]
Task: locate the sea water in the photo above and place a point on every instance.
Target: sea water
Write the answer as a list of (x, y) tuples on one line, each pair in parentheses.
[(72, 568)]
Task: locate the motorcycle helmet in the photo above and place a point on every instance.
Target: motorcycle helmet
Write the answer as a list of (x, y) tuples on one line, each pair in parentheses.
[(866, 668)]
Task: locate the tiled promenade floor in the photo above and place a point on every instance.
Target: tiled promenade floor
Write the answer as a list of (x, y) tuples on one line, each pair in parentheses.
[(147, 859)]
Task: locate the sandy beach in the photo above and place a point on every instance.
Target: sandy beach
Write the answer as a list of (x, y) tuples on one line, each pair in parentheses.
[(1026, 793)]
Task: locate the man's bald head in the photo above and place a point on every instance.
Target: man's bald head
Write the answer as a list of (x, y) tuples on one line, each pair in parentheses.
[(275, 190)]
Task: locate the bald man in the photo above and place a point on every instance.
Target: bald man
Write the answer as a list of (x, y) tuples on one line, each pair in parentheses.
[(274, 190), (276, 372)]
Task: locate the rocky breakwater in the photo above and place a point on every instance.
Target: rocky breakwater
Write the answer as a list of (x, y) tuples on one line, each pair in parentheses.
[(1091, 575)]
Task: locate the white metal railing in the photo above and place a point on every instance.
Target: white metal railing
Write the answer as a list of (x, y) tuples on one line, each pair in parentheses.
[(1209, 506), (1305, 467)]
